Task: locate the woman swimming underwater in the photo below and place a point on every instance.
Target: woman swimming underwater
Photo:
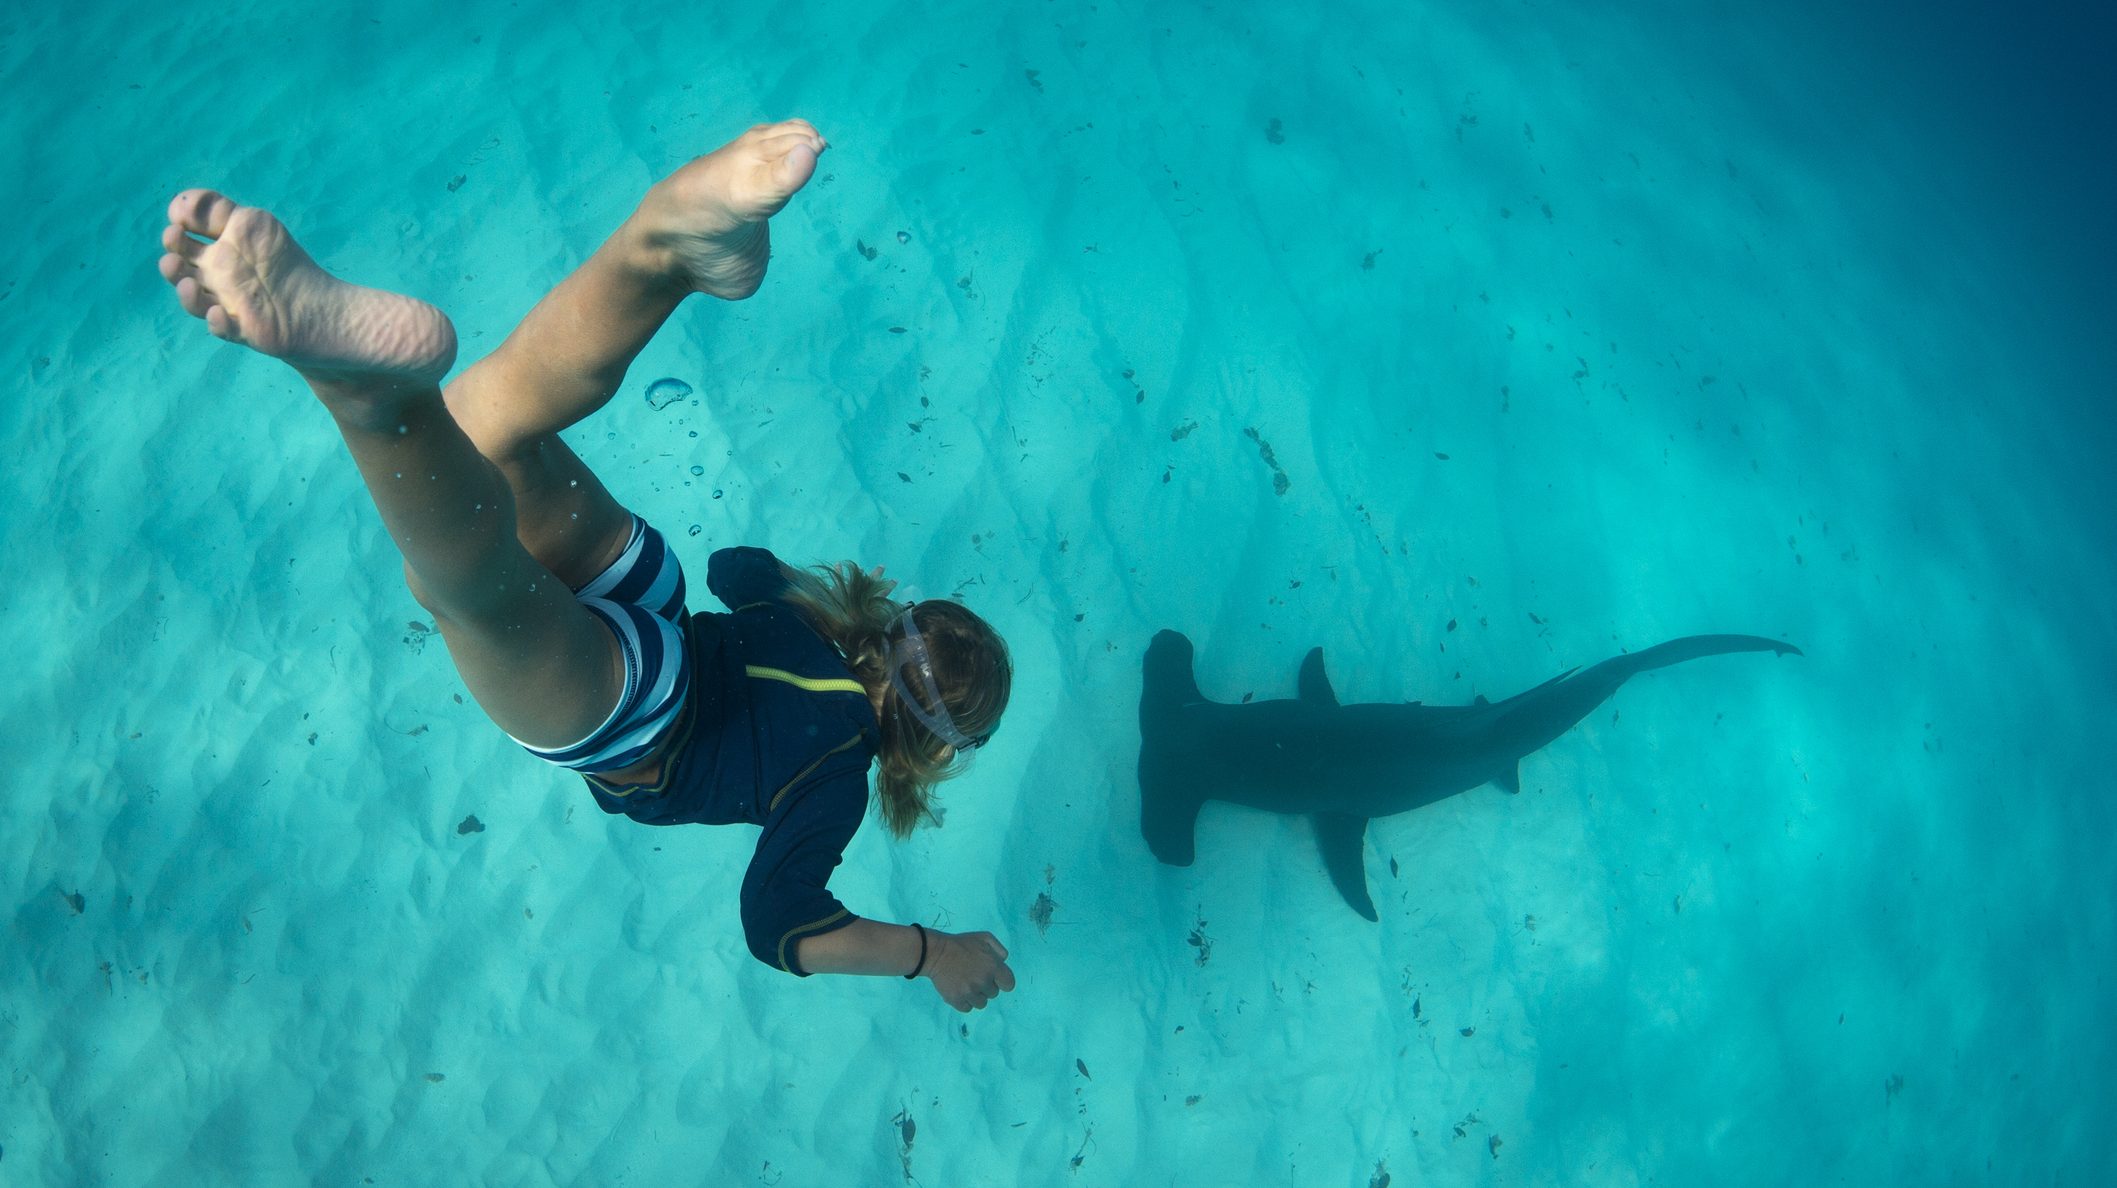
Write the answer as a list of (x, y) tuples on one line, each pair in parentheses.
[(565, 613)]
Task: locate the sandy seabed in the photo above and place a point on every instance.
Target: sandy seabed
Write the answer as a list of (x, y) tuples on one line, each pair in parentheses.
[(1468, 352)]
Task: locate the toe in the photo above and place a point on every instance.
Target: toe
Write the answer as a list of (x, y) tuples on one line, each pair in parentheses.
[(202, 212), (790, 160), (805, 128), (193, 296), (220, 325), (177, 243), (174, 268), (772, 133), (771, 148)]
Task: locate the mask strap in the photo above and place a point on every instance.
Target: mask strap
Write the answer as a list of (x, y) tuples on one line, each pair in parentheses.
[(911, 652)]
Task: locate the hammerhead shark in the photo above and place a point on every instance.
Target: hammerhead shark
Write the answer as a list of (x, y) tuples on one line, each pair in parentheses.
[(1344, 765)]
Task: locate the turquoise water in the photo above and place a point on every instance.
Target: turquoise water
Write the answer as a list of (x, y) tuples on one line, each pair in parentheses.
[(1469, 344)]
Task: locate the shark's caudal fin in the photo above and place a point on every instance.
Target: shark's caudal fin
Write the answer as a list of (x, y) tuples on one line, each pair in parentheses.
[(1552, 708), (1691, 647), (1604, 678), (1168, 802)]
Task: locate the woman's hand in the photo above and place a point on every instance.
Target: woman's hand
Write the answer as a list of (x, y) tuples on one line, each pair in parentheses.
[(968, 969)]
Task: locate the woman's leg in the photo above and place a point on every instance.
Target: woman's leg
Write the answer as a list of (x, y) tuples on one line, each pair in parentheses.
[(700, 230), (539, 663), (506, 516)]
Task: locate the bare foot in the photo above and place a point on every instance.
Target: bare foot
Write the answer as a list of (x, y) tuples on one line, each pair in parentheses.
[(705, 223), (254, 285)]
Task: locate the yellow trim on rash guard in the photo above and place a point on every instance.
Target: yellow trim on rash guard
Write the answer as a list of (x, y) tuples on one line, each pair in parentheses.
[(812, 684), (795, 934)]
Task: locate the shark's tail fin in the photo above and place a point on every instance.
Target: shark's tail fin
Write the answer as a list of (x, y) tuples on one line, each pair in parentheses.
[(1601, 680), (1168, 803), (1691, 647), (1552, 708)]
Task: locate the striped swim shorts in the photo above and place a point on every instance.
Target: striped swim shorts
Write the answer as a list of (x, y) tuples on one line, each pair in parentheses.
[(641, 598)]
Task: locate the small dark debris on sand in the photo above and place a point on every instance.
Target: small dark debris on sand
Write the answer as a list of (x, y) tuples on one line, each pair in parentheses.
[(471, 824), (1200, 941), (906, 1131), (1279, 479)]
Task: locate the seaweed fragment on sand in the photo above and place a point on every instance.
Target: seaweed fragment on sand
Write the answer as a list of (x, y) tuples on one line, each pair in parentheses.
[(906, 1131), (1200, 941), (1264, 450)]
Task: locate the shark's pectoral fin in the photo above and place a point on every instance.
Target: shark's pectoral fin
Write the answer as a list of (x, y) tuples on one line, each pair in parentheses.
[(1315, 686), (1511, 780), (1343, 840)]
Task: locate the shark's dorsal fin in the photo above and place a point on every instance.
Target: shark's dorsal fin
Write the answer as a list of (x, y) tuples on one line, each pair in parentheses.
[(1481, 699), (1314, 685), (1343, 840), (1511, 780)]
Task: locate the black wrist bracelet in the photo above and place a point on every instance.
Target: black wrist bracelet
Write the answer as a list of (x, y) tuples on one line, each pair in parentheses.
[(913, 975)]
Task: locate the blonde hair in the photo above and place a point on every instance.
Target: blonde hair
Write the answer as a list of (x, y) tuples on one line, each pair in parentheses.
[(852, 609)]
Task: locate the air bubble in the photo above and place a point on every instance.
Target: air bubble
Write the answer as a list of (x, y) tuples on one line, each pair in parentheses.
[(697, 470), (697, 528), (903, 237), (666, 391), (716, 492)]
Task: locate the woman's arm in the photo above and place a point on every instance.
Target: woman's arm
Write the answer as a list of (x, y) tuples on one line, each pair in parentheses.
[(968, 970)]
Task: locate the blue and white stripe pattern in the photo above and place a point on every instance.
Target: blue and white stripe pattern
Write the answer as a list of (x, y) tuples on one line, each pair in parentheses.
[(641, 598)]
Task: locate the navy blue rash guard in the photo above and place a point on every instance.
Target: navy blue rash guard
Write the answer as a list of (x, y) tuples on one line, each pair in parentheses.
[(776, 733)]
